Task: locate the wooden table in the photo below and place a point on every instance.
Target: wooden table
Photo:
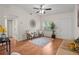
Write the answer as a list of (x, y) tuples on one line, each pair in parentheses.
[(6, 42)]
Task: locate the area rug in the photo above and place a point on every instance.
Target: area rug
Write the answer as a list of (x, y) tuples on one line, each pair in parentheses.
[(42, 41)]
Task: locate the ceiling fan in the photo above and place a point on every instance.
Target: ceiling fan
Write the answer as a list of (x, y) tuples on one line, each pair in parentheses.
[(42, 9)]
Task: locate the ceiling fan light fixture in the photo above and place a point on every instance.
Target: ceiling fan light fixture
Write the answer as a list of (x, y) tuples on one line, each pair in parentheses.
[(41, 11)]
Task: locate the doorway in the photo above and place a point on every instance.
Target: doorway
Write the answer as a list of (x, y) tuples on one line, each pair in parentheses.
[(10, 28)]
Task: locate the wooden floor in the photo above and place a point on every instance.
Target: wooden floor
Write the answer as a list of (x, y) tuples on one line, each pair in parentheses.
[(28, 48)]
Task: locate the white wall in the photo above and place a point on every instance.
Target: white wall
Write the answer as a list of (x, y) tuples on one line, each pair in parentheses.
[(64, 24), (3, 23), (65, 27), (23, 19), (76, 21)]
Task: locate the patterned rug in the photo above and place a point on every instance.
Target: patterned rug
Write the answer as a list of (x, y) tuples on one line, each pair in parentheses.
[(42, 41)]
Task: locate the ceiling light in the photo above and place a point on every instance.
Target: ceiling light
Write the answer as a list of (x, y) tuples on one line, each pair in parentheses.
[(41, 11)]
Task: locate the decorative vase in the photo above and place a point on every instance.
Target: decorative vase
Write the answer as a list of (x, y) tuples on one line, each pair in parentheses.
[(53, 36)]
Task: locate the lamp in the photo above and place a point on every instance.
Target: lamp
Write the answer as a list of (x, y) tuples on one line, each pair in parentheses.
[(3, 30)]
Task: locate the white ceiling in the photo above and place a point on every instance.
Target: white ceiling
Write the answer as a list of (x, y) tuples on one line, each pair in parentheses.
[(56, 8)]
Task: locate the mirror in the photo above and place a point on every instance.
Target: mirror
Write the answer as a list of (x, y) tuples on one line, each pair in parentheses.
[(32, 23)]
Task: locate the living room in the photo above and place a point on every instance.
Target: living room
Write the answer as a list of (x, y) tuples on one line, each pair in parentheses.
[(25, 22)]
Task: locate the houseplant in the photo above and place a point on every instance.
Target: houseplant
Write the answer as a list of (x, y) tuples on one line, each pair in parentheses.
[(77, 40), (53, 30), (74, 46), (77, 44)]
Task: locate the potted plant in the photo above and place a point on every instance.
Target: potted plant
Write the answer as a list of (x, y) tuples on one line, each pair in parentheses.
[(77, 40), (53, 30)]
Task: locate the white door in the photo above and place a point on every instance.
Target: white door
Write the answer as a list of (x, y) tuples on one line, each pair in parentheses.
[(10, 28)]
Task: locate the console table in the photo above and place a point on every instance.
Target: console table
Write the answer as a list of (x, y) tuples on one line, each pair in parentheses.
[(5, 42)]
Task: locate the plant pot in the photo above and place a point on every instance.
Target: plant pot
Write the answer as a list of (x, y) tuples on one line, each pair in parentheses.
[(53, 36)]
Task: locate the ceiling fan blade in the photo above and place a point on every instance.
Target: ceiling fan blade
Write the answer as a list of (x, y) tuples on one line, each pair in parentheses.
[(44, 12), (37, 11), (35, 8), (48, 9)]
